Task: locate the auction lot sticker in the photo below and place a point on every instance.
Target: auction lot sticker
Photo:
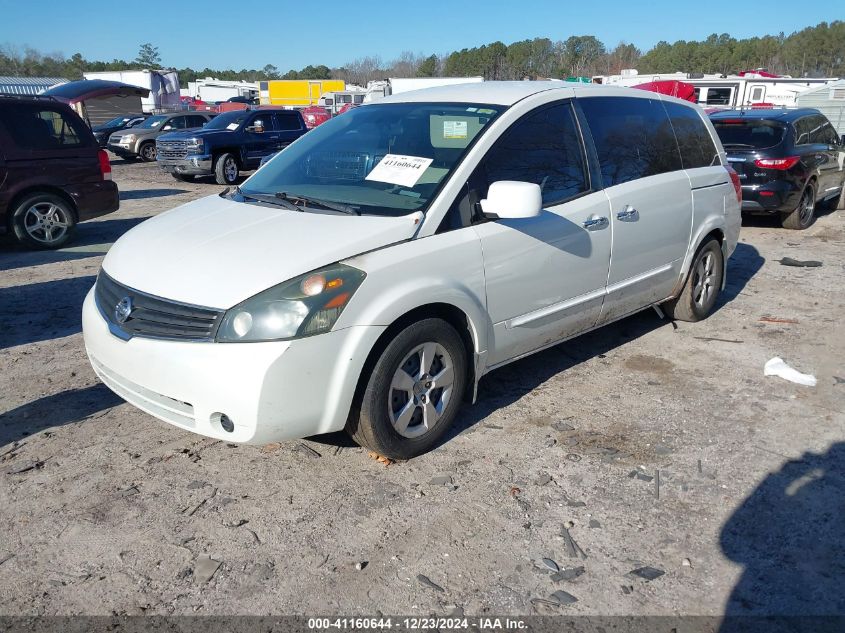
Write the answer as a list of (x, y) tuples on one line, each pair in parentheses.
[(399, 170)]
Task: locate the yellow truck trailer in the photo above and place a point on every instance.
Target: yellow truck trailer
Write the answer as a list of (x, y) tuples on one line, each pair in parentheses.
[(296, 92)]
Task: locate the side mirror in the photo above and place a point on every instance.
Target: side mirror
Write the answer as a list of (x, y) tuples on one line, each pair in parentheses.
[(166, 127), (257, 127), (512, 199)]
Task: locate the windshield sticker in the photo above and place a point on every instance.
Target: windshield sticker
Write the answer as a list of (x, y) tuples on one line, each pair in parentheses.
[(232, 126), (472, 109), (399, 170), (486, 111), (156, 124), (454, 129)]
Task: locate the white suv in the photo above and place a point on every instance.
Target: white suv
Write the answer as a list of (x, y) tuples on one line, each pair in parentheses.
[(368, 276)]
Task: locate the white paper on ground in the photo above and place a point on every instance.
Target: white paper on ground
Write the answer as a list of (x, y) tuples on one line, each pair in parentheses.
[(399, 170), (777, 367)]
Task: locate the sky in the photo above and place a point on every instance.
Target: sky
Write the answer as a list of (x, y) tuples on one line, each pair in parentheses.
[(223, 34)]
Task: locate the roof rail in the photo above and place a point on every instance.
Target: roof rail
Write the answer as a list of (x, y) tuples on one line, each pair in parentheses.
[(12, 95)]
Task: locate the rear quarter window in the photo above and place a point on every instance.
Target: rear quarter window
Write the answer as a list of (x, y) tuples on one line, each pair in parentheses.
[(633, 137), (694, 141), (36, 127)]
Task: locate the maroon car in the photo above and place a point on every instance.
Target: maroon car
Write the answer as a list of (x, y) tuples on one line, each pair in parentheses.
[(52, 172)]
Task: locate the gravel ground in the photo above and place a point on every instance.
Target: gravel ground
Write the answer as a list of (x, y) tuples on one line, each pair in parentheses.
[(640, 445)]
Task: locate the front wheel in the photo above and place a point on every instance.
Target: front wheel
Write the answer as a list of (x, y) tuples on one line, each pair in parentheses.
[(413, 392), (147, 152), (702, 287), (802, 216), (43, 221), (226, 169)]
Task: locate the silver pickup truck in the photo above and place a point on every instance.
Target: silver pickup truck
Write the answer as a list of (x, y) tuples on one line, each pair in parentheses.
[(140, 141)]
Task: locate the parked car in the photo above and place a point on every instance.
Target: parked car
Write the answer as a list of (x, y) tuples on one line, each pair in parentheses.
[(374, 271), (234, 141), (788, 161), (242, 99), (314, 116), (124, 122), (52, 173), (140, 141)]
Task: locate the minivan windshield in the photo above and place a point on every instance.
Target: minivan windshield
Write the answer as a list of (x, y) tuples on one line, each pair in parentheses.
[(381, 159), (152, 122), (749, 133), (227, 120)]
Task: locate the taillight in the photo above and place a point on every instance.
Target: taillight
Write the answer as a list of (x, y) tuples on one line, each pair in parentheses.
[(777, 163), (105, 165), (735, 180)]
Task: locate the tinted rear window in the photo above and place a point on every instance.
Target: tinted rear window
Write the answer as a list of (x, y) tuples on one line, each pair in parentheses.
[(36, 127), (749, 134), (633, 137), (694, 140)]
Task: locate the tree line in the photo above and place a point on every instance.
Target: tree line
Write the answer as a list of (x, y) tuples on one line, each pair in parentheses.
[(815, 51)]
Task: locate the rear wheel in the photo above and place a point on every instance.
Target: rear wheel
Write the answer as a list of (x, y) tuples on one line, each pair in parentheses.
[(147, 152), (802, 216), (702, 286), (226, 169), (43, 221), (413, 392)]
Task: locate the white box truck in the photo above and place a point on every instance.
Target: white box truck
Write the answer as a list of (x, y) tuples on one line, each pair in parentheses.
[(162, 84)]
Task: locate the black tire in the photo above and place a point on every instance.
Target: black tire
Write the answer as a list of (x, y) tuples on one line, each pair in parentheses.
[(371, 423), (44, 221), (803, 215), (182, 177), (704, 278), (226, 169), (147, 152)]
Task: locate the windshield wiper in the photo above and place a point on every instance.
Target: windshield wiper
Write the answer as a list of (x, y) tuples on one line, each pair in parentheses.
[(326, 204), (736, 145), (274, 200)]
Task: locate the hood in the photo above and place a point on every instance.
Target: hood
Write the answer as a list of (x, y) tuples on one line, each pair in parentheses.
[(197, 132), (215, 252)]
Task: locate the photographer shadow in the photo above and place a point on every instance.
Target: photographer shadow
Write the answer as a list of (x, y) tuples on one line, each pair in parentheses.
[(790, 537)]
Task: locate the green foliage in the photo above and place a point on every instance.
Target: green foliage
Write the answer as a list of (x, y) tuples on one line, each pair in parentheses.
[(815, 51), (148, 56)]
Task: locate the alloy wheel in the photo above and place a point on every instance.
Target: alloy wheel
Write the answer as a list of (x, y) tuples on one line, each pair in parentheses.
[(420, 390), (704, 281), (230, 168), (46, 222), (806, 206)]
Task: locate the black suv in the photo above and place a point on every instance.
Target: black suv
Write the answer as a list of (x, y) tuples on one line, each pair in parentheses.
[(232, 142), (787, 160), (52, 173)]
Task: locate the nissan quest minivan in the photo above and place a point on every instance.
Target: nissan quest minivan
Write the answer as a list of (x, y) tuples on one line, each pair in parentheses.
[(368, 276)]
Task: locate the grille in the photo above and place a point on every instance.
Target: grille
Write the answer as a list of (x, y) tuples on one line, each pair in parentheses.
[(153, 317), (171, 149)]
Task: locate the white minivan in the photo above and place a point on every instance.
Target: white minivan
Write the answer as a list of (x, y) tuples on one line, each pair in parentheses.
[(368, 276)]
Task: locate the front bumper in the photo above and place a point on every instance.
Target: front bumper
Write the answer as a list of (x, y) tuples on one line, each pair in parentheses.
[(271, 391), (124, 151), (190, 166)]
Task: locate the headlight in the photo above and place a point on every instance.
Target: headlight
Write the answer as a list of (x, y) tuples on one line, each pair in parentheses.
[(307, 305), (127, 138), (196, 144)]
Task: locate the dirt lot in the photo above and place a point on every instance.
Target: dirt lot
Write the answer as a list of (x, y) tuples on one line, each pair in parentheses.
[(640, 445)]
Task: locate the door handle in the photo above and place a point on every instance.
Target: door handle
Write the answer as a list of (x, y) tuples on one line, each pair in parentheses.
[(594, 223), (628, 214)]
